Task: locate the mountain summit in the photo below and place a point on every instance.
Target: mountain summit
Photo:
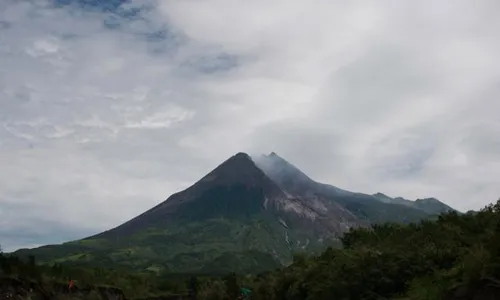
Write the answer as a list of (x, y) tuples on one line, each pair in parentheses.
[(249, 214), (291, 178), (235, 188)]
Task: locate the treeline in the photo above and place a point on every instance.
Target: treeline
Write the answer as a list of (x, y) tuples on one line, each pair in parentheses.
[(456, 256), (133, 284), (29, 271)]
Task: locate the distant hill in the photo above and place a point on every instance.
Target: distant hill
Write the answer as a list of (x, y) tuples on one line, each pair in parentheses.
[(246, 215), (429, 205)]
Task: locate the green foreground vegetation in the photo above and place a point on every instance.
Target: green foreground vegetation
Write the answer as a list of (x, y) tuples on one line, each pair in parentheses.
[(456, 256)]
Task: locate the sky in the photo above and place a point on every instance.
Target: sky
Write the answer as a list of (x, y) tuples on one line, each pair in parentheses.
[(107, 108)]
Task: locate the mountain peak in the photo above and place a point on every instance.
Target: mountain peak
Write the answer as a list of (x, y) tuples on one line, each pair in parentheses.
[(236, 186), (287, 176), (238, 158), (429, 200), (277, 161), (240, 155), (238, 168), (381, 196)]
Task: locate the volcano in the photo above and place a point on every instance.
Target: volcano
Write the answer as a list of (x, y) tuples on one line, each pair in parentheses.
[(249, 214)]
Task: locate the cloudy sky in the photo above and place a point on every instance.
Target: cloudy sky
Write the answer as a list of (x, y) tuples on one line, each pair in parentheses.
[(105, 110)]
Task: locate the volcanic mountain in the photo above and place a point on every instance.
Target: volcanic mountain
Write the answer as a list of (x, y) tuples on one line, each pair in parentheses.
[(247, 215)]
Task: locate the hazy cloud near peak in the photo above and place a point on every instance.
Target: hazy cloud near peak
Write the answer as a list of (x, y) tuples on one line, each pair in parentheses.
[(105, 114)]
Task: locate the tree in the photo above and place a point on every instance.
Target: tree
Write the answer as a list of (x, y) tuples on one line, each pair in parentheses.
[(232, 288), (193, 287), (418, 261)]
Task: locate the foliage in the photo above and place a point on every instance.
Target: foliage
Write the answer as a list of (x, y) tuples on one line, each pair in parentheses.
[(424, 261), (456, 255)]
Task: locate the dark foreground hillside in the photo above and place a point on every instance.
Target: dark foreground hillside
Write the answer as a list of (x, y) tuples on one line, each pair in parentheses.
[(456, 257), (15, 288)]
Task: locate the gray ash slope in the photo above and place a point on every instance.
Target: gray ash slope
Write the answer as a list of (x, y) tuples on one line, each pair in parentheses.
[(372, 208)]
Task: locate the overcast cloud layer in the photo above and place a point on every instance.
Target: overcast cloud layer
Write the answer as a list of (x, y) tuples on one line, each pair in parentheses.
[(106, 112)]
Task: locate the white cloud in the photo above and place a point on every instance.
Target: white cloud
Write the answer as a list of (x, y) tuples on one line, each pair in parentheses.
[(99, 124)]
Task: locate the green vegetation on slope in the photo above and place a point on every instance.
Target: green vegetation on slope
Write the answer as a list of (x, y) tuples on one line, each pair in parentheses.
[(456, 256), (428, 205), (245, 244), (377, 212)]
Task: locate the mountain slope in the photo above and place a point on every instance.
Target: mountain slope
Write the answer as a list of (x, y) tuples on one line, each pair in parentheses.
[(236, 188), (429, 205), (291, 179), (246, 215), (373, 208)]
